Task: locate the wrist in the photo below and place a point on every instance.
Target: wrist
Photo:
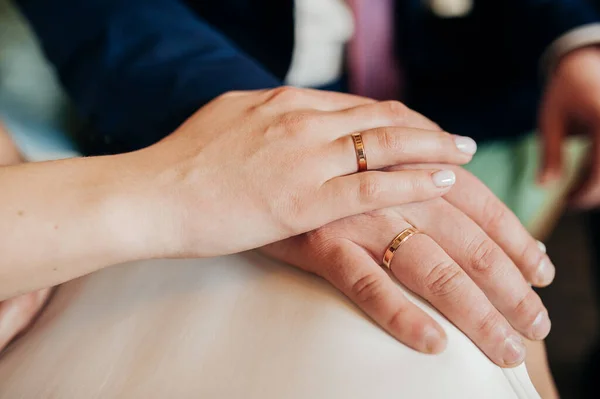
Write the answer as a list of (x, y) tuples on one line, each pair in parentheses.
[(133, 210)]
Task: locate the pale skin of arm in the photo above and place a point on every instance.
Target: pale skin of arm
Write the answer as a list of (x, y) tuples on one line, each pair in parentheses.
[(82, 223)]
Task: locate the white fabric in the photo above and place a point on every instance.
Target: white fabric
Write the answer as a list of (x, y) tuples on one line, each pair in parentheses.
[(233, 327), (322, 29)]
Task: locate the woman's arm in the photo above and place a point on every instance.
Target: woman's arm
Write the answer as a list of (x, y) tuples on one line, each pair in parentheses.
[(64, 219)]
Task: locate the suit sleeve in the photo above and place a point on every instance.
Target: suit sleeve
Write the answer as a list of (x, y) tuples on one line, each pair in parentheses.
[(542, 22), (136, 69)]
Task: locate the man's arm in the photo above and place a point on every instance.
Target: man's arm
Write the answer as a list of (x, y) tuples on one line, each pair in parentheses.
[(136, 69)]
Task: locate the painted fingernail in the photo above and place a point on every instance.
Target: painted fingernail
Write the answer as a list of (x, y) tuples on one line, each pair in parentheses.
[(434, 342), (514, 350), (465, 144), (541, 246), (541, 326), (444, 178), (545, 273)]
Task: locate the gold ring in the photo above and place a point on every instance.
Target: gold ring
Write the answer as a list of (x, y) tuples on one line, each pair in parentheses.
[(395, 244), (361, 156)]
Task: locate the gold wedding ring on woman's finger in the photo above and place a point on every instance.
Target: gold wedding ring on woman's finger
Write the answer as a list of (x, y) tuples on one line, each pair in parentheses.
[(400, 239), (359, 147)]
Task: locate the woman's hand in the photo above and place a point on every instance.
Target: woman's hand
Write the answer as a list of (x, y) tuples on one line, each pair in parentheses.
[(249, 169), (17, 314), (253, 168), (472, 262)]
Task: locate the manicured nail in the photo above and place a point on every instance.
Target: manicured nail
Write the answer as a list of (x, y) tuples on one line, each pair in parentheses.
[(465, 144), (541, 246), (434, 342), (444, 178), (514, 350), (541, 326), (545, 273)]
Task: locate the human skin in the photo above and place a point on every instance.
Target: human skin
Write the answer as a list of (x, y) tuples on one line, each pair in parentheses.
[(248, 169)]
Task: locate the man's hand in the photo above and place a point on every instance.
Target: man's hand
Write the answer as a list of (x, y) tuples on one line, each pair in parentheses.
[(472, 262), (572, 101)]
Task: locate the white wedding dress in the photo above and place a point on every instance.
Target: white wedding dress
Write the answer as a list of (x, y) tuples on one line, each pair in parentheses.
[(239, 326)]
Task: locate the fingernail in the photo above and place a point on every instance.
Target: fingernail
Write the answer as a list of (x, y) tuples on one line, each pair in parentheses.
[(541, 246), (465, 144), (541, 326), (434, 342), (514, 350), (545, 273), (444, 178)]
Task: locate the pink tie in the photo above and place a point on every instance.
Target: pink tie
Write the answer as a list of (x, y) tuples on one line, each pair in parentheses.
[(373, 69)]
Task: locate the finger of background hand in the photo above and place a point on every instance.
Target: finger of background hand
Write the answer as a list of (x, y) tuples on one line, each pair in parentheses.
[(367, 191), (587, 194), (487, 265), (375, 115), (288, 98), (427, 270), (388, 146), (474, 199), (363, 281), (552, 125)]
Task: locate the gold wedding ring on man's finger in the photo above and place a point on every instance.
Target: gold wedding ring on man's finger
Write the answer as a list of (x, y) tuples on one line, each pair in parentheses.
[(400, 239)]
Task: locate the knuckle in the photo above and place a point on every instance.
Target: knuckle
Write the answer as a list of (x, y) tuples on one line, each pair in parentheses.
[(397, 321), (484, 255), (323, 240), (229, 94), (297, 122), (283, 94), (495, 215), (368, 289), (487, 324), (528, 306), (389, 140), (531, 257), (370, 190), (397, 109), (444, 279)]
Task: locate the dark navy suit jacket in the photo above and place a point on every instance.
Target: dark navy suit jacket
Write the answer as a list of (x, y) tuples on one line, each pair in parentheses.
[(136, 69)]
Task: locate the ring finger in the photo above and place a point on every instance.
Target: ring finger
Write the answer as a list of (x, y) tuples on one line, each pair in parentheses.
[(388, 146), (423, 266)]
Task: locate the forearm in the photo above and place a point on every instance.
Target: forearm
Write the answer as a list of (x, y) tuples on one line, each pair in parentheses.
[(64, 219)]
